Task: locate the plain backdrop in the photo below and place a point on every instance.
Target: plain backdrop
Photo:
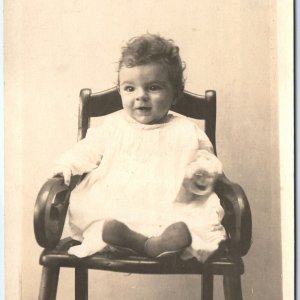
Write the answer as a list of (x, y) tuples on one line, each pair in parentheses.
[(55, 48)]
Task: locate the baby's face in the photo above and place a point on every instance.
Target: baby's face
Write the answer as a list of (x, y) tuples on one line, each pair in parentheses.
[(146, 91)]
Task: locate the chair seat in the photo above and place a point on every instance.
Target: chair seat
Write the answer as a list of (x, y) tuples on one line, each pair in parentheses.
[(220, 264)]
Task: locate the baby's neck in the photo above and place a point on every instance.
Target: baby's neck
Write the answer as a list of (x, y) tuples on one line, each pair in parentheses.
[(162, 120)]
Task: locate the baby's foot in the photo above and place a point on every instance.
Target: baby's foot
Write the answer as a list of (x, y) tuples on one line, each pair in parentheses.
[(79, 251), (118, 234), (91, 243), (84, 250), (174, 239)]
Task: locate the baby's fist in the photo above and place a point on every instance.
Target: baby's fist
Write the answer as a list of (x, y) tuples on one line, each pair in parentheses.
[(202, 173), (62, 171)]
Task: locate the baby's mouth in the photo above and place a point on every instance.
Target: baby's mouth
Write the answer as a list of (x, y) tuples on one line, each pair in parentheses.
[(143, 109)]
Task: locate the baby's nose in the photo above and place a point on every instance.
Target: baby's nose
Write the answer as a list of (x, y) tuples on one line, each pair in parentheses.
[(141, 94)]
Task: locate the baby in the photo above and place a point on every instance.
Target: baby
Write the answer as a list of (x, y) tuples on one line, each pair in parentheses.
[(150, 173)]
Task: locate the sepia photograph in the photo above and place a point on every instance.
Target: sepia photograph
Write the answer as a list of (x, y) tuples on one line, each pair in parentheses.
[(149, 150)]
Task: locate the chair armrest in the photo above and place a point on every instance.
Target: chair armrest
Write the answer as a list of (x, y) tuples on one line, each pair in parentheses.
[(50, 211), (237, 220)]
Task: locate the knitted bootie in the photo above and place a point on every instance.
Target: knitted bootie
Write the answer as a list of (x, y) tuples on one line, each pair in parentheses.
[(119, 235), (174, 239)]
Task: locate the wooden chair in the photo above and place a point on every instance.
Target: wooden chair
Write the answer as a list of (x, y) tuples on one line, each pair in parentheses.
[(52, 204)]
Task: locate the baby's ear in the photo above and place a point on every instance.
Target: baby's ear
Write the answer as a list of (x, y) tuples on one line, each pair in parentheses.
[(175, 100), (177, 97)]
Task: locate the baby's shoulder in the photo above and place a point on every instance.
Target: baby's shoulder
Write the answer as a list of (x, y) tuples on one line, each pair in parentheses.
[(114, 118), (105, 125), (186, 123), (110, 120)]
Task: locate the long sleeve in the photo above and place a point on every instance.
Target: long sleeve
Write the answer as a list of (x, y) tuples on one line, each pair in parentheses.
[(206, 150), (203, 141), (86, 155)]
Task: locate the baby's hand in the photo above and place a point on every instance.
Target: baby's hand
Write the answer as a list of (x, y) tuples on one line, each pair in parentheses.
[(202, 173), (62, 171)]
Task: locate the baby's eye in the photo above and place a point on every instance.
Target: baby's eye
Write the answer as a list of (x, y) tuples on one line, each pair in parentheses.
[(129, 88), (154, 87)]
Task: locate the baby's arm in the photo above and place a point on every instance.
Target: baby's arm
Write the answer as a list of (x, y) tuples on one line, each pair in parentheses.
[(85, 156), (204, 142), (63, 171), (204, 168)]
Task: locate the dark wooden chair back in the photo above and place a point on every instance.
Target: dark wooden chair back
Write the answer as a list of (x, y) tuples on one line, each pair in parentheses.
[(109, 101)]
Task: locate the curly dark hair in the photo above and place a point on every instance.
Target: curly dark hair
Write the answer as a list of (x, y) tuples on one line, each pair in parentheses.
[(149, 48)]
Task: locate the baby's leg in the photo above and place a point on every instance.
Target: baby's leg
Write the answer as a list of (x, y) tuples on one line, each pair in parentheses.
[(92, 241), (116, 233), (174, 238)]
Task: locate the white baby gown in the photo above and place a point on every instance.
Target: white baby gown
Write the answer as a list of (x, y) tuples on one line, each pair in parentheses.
[(135, 172)]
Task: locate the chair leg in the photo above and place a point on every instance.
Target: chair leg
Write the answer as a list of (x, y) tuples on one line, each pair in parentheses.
[(232, 287), (81, 284), (49, 283), (207, 287)]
